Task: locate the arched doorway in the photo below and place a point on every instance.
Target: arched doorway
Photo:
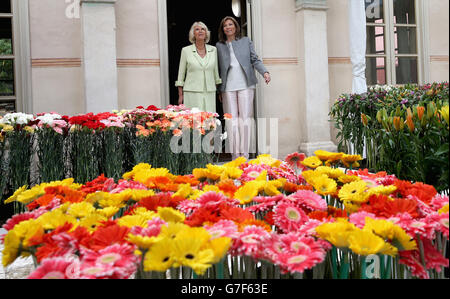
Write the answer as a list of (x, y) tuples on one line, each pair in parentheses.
[(181, 14)]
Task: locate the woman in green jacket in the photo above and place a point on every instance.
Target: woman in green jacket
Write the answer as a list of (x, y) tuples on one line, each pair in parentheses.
[(198, 74)]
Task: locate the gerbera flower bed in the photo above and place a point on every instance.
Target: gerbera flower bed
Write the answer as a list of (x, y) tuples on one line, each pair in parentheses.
[(244, 219), (53, 147)]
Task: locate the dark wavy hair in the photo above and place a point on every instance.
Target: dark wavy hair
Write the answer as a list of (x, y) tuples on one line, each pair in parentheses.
[(222, 36)]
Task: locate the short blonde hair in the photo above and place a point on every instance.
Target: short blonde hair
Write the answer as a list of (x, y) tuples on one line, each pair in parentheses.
[(202, 25)]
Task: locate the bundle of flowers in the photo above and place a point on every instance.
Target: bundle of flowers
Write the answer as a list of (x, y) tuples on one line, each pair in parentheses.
[(243, 219), (85, 146), (403, 130)]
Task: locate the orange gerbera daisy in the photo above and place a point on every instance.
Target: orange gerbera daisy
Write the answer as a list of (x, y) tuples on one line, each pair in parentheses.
[(67, 194), (236, 214), (109, 234), (255, 222), (186, 179), (228, 187), (292, 188)]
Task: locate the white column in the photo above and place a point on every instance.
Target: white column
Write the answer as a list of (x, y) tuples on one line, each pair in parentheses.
[(357, 27), (100, 58), (314, 79)]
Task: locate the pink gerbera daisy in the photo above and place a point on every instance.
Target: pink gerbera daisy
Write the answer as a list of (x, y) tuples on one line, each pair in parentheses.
[(298, 253), (265, 203), (288, 217), (359, 218), (223, 228), (295, 160), (309, 200), (16, 219), (56, 268), (251, 172), (439, 201), (117, 261), (251, 241), (152, 230)]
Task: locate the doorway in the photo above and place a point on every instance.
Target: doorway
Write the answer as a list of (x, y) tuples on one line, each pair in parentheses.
[(181, 14)]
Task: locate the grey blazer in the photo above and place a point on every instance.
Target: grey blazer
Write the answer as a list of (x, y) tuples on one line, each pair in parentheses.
[(247, 57)]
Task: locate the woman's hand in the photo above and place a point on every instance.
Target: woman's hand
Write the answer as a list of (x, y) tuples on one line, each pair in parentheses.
[(267, 78), (180, 99), (180, 95)]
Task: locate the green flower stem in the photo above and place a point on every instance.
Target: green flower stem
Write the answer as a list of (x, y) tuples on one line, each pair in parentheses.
[(220, 269), (387, 272), (344, 268), (363, 267), (382, 265), (334, 271)]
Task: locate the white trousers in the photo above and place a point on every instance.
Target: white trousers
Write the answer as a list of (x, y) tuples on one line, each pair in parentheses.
[(240, 105)]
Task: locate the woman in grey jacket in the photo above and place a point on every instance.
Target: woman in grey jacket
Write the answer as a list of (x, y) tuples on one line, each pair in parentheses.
[(237, 63)]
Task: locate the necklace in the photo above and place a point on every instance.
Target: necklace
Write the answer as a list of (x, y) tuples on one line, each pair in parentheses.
[(201, 52)]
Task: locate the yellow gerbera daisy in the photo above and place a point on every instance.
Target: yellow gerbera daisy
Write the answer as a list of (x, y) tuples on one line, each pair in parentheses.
[(11, 250), (337, 233), (80, 210), (56, 218), (108, 212), (133, 220), (143, 242), (324, 185), (184, 190), (385, 190), (354, 192), (325, 156), (140, 167), (214, 172), (402, 240), (266, 159), (91, 222), (16, 194), (271, 187), (172, 230), (246, 193), (135, 194), (312, 162), (231, 173), (345, 179), (171, 215), (236, 163), (200, 174), (333, 173), (351, 161), (444, 209), (220, 248), (365, 243), (159, 257), (187, 251)]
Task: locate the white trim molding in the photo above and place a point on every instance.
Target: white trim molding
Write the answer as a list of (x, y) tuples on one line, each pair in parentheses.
[(163, 53), (24, 96), (311, 5)]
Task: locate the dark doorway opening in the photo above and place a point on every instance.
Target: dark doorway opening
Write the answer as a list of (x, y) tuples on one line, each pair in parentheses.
[(181, 14)]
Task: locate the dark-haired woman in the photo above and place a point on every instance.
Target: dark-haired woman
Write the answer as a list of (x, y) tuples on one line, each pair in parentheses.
[(237, 63)]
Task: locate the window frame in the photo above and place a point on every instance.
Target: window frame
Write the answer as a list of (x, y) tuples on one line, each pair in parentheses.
[(11, 56), (389, 42), (21, 56)]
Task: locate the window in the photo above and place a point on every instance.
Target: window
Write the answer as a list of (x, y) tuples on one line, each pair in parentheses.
[(7, 59), (392, 55)]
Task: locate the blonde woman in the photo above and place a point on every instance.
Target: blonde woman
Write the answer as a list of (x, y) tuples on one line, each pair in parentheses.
[(198, 74), (237, 63)]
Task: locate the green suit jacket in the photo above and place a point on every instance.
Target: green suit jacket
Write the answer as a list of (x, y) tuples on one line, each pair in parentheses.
[(198, 74)]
